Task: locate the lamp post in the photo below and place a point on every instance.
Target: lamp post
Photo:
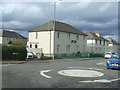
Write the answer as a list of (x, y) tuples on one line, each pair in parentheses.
[(92, 45), (54, 30)]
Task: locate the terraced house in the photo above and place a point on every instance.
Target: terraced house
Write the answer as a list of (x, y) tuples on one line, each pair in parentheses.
[(113, 46), (57, 38), (96, 43)]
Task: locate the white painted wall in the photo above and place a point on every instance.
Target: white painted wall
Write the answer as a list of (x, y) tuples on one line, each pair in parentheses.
[(5, 40), (113, 48), (44, 40), (65, 40), (96, 48), (0, 40)]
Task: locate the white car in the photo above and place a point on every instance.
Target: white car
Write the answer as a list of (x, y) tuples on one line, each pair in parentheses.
[(29, 55), (108, 55)]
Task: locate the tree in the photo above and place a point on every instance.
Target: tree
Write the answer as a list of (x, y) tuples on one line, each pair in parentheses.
[(10, 42), (17, 42)]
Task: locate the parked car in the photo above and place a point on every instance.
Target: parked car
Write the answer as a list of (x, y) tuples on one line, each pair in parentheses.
[(108, 55), (29, 55), (113, 62)]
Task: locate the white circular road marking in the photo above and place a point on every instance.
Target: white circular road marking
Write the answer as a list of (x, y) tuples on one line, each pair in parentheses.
[(102, 80), (80, 73), (86, 68)]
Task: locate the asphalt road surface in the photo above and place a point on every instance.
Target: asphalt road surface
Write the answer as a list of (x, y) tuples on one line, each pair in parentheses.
[(67, 73)]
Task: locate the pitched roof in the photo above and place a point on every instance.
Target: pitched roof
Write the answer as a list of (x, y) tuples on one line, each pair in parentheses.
[(92, 35), (115, 43), (11, 34), (111, 41), (59, 26)]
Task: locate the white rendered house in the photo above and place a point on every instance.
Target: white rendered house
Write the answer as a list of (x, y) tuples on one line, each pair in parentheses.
[(113, 46), (96, 43), (64, 39), (7, 36)]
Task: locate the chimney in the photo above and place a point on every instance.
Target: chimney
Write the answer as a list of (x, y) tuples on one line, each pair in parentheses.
[(98, 34), (109, 39)]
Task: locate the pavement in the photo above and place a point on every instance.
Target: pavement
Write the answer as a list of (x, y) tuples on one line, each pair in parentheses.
[(36, 61)]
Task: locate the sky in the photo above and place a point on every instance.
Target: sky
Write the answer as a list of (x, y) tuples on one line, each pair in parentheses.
[(85, 16)]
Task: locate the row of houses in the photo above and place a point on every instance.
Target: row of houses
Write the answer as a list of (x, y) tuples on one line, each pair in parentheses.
[(7, 37), (56, 37)]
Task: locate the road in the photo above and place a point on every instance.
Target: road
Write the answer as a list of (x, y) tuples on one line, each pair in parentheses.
[(67, 73)]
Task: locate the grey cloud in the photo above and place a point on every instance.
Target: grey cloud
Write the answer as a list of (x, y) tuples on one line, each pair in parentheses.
[(94, 16)]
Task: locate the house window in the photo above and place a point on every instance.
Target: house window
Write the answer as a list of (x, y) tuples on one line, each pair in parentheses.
[(30, 45), (58, 34), (58, 48), (96, 41), (67, 47), (77, 37), (36, 46), (7, 39), (104, 43), (69, 35), (77, 47), (100, 42)]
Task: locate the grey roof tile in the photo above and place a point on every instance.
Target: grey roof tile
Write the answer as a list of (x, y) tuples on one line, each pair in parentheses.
[(6, 33), (92, 35), (59, 26)]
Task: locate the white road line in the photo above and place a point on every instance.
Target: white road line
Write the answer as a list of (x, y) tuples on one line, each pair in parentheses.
[(102, 80), (99, 63), (87, 68), (115, 79), (95, 68), (44, 71), (3, 65)]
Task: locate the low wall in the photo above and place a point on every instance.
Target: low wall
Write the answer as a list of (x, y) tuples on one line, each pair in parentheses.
[(81, 55)]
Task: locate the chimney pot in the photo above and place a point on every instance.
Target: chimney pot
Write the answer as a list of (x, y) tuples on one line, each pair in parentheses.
[(98, 34)]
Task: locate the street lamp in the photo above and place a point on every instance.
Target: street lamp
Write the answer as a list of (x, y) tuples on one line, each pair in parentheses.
[(54, 30), (54, 19), (92, 45)]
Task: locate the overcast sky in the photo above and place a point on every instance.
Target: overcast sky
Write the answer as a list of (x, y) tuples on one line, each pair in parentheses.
[(86, 16)]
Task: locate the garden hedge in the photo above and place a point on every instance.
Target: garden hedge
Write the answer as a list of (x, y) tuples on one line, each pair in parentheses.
[(9, 52)]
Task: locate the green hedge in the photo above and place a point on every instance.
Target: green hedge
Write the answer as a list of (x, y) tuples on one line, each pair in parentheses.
[(7, 52)]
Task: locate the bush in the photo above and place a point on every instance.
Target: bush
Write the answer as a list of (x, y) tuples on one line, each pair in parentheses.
[(7, 52), (17, 42)]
